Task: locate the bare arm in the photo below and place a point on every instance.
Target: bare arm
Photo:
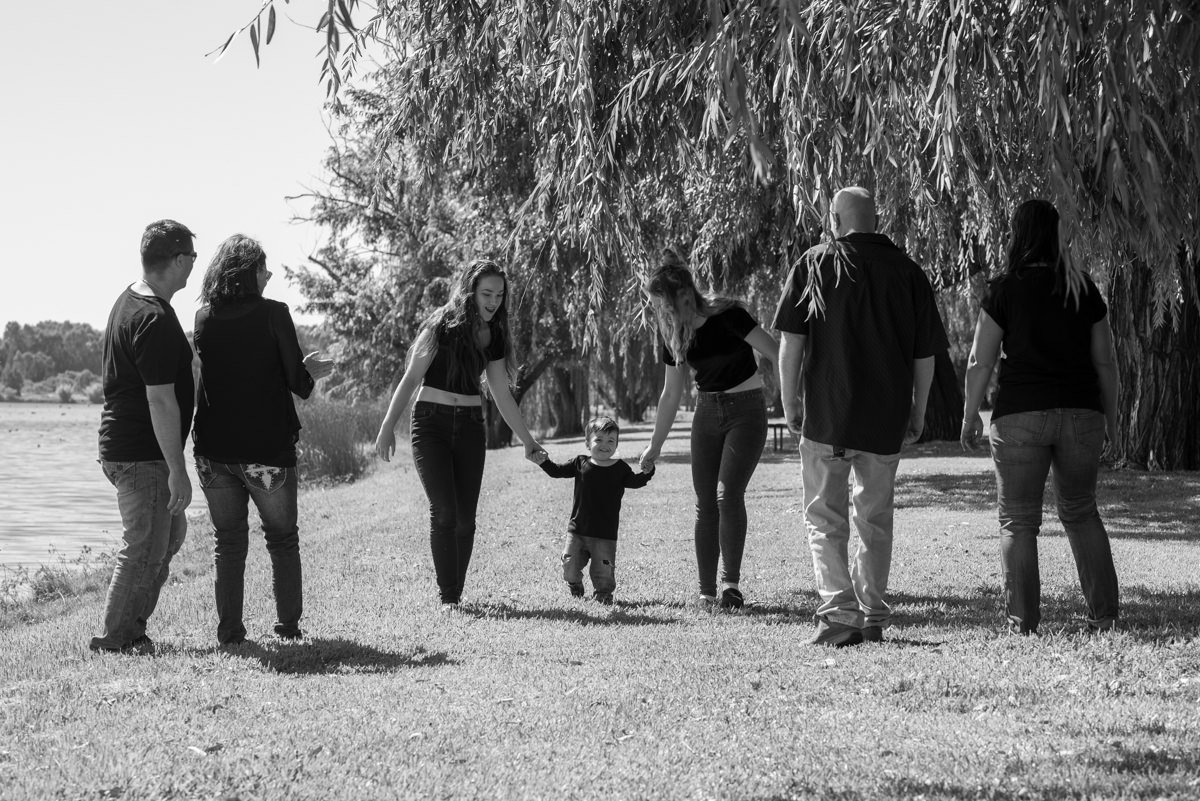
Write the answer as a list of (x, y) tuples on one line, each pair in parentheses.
[(164, 417), (1104, 359), (664, 418), (980, 364), (418, 363), (497, 378), (764, 343), (791, 374), (922, 381)]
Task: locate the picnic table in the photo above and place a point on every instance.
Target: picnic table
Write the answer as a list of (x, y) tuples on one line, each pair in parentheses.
[(779, 434)]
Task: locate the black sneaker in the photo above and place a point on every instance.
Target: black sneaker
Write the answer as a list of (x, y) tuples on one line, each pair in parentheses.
[(604, 598), (731, 599), (288, 632), (576, 590), (142, 646)]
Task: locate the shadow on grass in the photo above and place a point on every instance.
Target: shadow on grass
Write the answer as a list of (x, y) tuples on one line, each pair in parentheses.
[(1146, 615), (319, 656), (619, 614), (949, 491), (1140, 506), (1170, 772)]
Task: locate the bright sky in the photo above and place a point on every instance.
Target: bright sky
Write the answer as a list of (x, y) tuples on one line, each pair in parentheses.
[(113, 118)]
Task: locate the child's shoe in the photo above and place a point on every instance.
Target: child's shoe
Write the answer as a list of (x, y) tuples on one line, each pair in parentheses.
[(604, 598), (576, 590)]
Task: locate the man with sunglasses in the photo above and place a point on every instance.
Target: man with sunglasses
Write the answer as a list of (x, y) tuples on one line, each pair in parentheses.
[(148, 403)]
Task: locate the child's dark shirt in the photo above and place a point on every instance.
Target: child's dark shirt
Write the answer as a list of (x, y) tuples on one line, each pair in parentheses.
[(596, 509)]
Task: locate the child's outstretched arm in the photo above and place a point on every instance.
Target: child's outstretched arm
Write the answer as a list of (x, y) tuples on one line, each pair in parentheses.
[(635, 480), (555, 470)]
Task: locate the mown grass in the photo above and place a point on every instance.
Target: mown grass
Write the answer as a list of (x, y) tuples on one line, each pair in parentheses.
[(526, 693)]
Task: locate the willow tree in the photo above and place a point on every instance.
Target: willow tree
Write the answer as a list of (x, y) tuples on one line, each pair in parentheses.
[(952, 111)]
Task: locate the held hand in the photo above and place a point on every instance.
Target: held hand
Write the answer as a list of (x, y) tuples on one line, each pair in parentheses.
[(181, 492), (317, 368), (385, 443), (646, 460), (535, 453), (972, 431)]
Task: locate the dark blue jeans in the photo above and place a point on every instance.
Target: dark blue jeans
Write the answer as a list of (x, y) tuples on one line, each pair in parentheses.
[(1066, 444), (729, 431), (448, 447), (229, 488)]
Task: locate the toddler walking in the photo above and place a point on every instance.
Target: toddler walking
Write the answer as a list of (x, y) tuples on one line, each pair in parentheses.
[(600, 483)]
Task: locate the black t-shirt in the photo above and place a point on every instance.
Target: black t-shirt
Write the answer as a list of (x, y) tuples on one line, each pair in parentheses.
[(144, 345), (596, 508), (1046, 360), (250, 365), (879, 316), (437, 376), (719, 352)]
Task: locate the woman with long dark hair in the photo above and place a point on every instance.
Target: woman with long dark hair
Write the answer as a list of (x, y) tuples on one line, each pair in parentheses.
[(458, 344), (247, 429), (717, 338), (1056, 397)]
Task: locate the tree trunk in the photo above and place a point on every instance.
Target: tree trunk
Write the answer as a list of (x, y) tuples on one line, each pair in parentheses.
[(1158, 405), (569, 398), (943, 415)]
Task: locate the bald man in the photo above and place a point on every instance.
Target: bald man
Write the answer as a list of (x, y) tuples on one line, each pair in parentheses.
[(860, 329)]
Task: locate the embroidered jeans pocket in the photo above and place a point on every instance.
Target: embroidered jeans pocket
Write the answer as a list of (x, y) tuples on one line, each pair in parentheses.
[(204, 472), (264, 476)]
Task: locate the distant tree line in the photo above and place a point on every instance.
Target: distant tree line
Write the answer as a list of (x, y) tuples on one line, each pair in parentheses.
[(35, 353)]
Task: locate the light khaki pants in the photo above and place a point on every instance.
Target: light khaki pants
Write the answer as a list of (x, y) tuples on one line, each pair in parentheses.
[(852, 593)]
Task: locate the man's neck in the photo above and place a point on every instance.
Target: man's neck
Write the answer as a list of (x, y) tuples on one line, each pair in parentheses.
[(155, 285)]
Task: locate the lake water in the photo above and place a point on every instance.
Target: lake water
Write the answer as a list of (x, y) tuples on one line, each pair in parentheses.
[(54, 500)]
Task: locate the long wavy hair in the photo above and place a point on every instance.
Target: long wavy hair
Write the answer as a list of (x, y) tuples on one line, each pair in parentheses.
[(677, 301), (453, 325), (233, 272), (1035, 243)]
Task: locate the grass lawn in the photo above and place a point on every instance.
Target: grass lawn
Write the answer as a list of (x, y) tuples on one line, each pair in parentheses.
[(528, 693)]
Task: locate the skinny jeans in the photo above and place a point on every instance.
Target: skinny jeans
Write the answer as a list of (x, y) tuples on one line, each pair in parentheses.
[(448, 445), (729, 430), (1066, 444)]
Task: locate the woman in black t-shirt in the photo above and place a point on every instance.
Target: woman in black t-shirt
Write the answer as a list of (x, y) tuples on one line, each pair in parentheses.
[(717, 338), (457, 343), (1057, 394), (247, 429)]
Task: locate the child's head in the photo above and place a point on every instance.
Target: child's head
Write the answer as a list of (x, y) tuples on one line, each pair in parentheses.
[(602, 435)]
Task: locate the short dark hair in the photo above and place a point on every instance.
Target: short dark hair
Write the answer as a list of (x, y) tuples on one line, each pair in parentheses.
[(162, 241), (600, 425)]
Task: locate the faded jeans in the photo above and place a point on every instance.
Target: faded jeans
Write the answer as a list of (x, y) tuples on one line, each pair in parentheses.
[(601, 554), (1066, 444), (229, 488), (852, 594), (448, 447), (729, 431), (151, 536)]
